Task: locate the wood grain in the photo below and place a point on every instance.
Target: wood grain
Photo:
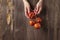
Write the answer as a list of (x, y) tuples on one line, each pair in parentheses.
[(22, 31)]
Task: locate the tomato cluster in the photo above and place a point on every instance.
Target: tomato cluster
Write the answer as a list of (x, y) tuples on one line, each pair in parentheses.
[(34, 20), (31, 15)]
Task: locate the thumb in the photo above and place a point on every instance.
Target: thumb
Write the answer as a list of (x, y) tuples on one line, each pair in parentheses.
[(26, 12), (28, 9)]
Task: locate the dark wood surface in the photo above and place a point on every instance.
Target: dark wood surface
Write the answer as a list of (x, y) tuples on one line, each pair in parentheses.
[(22, 31)]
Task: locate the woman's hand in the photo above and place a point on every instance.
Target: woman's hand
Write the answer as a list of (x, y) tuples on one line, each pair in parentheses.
[(38, 7), (26, 8)]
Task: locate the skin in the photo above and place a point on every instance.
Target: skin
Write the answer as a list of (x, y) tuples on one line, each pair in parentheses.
[(37, 8)]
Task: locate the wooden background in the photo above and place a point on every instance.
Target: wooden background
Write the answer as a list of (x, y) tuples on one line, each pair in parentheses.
[(21, 29)]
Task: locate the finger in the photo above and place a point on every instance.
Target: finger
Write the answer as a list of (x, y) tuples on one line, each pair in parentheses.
[(28, 9), (26, 15), (26, 12), (39, 10), (35, 10)]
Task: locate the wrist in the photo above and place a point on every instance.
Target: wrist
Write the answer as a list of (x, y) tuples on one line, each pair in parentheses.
[(24, 0), (40, 0)]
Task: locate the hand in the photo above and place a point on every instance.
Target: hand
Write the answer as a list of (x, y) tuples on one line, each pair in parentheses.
[(26, 8), (38, 7)]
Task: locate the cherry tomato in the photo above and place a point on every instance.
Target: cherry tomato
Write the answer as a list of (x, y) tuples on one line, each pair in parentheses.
[(31, 15), (37, 25), (38, 20), (31, 22)]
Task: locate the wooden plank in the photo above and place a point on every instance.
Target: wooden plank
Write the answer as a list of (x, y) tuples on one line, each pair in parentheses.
[(22, 30)]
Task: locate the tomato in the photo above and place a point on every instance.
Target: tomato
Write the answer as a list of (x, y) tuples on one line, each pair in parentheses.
[(38, 20), (37, 25), (31, 15), (31, 22)]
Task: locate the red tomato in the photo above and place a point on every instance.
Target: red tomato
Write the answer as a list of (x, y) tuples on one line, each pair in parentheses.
[(31, 15), (37, 25), (31, 22), (38, 19)]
